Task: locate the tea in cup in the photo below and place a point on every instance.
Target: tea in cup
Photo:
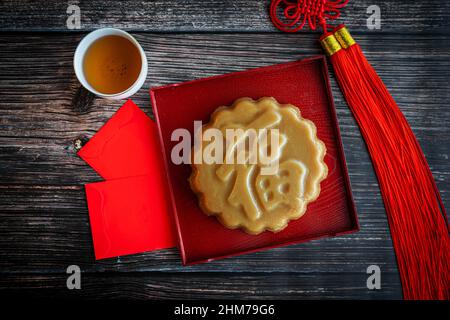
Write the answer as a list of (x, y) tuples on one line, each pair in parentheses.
[(110, 63)]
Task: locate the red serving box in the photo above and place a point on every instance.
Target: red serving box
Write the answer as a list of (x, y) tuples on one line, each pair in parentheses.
[(302, 83)]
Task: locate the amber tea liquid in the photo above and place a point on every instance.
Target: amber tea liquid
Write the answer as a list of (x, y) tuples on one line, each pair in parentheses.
[(112, 64)]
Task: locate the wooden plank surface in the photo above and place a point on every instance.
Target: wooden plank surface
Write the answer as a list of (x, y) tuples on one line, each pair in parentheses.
[(43, 211), (248, 286), (45, 225), (212, 16)]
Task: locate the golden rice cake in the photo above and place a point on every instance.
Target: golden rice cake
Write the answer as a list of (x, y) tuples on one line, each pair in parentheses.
[(261, 193)]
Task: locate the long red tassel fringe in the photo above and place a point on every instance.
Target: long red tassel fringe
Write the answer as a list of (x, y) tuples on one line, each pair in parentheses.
[(416, 215)]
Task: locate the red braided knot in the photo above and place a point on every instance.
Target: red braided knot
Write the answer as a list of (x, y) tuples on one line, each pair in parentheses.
[(297, 12)]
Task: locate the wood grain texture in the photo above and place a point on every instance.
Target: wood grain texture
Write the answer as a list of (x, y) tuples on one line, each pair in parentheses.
[(166, 285), (211, 16), (45, 224)]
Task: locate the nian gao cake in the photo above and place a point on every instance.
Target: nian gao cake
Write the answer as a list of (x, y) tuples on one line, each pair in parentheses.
[(281, 172)]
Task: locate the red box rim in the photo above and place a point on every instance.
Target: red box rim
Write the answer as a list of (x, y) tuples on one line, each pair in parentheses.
[(353, 214)]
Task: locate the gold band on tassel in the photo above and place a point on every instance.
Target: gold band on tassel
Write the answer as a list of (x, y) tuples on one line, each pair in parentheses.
[(330, 45), (344, 37)]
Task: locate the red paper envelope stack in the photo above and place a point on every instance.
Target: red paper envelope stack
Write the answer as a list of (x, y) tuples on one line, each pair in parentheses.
[(129, 211)]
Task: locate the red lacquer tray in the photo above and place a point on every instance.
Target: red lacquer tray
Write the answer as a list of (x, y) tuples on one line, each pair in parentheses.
[(302, 83)]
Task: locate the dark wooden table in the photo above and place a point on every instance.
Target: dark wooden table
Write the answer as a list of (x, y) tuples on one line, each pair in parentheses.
[(44, 224)]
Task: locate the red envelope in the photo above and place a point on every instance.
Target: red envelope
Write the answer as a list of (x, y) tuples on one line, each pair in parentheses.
[(128, 216), (130, 213), (127, 145)]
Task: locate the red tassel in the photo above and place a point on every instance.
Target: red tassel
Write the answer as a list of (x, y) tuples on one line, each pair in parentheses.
[(415, 211), (416, 215)]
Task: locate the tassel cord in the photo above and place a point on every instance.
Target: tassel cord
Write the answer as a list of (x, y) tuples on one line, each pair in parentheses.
[(417, 231)]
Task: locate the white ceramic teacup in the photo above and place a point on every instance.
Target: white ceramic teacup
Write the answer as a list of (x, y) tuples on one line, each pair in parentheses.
[(87, 41)]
